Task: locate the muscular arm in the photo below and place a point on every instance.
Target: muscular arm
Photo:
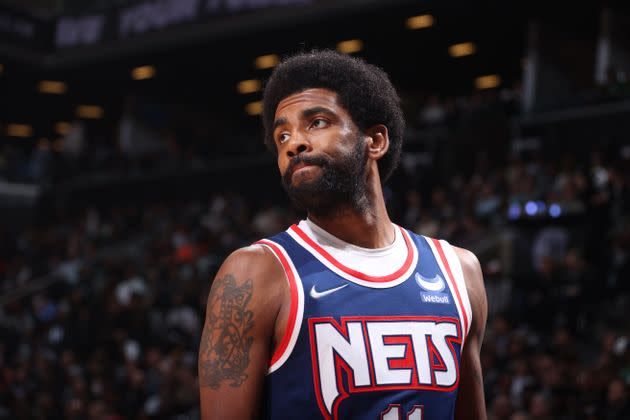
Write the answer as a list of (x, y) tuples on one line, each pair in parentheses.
[(470, 397), (238, 335)]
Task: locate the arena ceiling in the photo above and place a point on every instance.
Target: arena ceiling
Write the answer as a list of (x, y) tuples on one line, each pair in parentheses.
[(202, 64)]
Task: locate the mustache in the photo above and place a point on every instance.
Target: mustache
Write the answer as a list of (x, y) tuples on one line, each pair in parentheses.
[(306, 160)]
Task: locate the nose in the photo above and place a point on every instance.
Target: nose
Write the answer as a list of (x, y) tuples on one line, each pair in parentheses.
[(298, 144)]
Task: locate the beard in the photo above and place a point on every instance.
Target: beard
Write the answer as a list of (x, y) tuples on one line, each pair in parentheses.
[(342, 184)]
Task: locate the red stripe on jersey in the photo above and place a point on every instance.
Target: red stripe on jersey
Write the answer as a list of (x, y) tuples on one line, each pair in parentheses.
[(355, 273), (438, 246), (284, 343)]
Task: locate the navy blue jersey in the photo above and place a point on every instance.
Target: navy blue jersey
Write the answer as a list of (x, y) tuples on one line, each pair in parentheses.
[(362, 346)]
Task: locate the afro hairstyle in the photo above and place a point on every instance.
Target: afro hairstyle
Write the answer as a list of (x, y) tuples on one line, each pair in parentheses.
[(363, 89)]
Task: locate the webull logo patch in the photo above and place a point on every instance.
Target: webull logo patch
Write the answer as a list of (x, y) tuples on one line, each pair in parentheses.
[(433, 288), (435, 298)]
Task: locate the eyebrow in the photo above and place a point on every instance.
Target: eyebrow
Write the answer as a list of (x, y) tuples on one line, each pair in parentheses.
[(309, 112), (279, 122)]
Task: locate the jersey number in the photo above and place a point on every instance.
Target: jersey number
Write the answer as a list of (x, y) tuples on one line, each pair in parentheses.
[(394, 412)]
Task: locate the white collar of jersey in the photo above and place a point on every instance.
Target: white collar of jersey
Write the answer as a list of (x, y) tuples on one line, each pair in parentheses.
[(368, 267), (324, 238)]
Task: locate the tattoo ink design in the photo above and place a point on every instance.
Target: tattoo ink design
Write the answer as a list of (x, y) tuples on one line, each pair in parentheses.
[(225, 342)]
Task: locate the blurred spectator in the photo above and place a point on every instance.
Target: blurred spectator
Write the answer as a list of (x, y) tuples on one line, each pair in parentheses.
[(540, 407), (501, 408), (40, 166), (617, 402), (137, 140), (433, 112), (74, 142), (549, 247), (498, 287)]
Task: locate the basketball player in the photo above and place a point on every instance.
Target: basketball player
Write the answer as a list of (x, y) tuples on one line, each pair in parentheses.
[(344, 315)]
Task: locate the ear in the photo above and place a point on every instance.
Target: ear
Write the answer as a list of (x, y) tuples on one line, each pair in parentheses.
[(377, 141)]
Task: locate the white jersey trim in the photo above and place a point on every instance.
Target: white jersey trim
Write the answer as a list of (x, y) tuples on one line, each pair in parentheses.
[(458, 273), (293, 330), (456, 285)]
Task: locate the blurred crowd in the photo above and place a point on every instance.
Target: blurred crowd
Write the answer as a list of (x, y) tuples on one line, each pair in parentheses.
[(102, 307), (145, 136)]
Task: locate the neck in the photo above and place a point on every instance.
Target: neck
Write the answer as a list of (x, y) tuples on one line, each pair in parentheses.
[(367, 225)]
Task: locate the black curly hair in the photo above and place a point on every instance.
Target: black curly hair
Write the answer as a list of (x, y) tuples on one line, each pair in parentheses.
[(364, 90)]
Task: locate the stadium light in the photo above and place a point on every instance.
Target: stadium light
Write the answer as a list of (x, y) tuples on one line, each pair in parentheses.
[(419, 22), (555, 210), (19, 130), (463, 49), (530, 208), (90, 111), (266, 61), (514, 211), (254, 108), (487, 82), (143, 73), (350, 46), (53, 87), (63, 127), (248, 86)]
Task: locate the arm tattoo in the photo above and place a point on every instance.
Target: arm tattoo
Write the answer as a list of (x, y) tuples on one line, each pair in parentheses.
[(226, 340)]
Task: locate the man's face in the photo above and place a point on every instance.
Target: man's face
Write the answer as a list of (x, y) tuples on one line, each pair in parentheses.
[(321, 152)]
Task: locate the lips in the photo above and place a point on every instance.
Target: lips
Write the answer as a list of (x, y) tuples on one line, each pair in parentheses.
[(303, 162), (299, 166)]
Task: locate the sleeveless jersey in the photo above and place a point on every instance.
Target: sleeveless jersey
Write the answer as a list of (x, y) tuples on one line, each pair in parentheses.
[(360, 346)]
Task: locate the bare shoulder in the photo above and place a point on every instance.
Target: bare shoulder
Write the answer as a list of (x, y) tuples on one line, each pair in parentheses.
[(255, 272), (471, 268), (253, 258), (254, 262)]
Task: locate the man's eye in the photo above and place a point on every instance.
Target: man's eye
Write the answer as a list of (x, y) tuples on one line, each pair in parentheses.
[(319, 122), (283, 137)]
